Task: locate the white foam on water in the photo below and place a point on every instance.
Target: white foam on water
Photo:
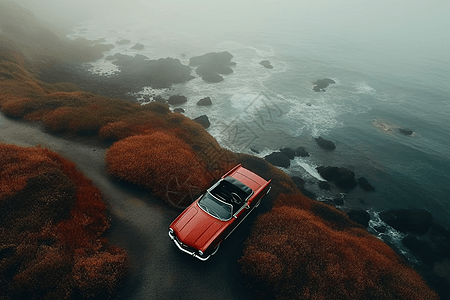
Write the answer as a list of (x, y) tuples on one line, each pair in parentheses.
[(305, 164)]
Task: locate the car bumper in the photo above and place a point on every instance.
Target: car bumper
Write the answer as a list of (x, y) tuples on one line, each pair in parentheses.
[(183, 249)]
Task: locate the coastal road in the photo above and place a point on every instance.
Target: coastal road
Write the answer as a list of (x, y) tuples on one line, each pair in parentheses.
[(139, 224)]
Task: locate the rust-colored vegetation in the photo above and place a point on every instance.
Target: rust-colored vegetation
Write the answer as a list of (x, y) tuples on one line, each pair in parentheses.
[(293, 253), (52, 219), (161, 162)]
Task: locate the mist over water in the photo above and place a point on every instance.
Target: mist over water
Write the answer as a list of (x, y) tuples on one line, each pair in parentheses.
[(389, 60)]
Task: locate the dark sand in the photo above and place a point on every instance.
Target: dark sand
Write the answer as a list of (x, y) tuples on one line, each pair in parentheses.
[(139, 224)]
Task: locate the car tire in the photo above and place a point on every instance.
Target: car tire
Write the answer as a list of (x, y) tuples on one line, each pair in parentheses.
[(216, 249)]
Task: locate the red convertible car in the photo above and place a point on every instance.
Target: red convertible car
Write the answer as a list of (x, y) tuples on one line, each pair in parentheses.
[(200, 228)]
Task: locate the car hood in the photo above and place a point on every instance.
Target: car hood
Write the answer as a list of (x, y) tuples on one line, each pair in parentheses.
[(196, 228)]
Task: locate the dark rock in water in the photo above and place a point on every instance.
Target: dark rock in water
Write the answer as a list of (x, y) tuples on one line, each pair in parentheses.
[(440, 237), (159, 99), (421, 248), (339, 201), (203, 120), (301, 151), (278, 159), (342, 177), (204, 102), (405, 131), (138, 46), (213, 58), (324, 185), (210, 65), (365, 185), (254, 150), (325, 144), (415, 221), (288, 151), (212, 77), (123, 42), (359, 216), (321, 84), (179, 110), (266, 64), (176, 100)]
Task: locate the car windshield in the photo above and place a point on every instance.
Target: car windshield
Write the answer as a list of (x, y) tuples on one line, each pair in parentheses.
[(216, 208)]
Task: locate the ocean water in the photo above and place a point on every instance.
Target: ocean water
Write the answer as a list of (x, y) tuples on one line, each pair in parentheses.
[(390, 62)]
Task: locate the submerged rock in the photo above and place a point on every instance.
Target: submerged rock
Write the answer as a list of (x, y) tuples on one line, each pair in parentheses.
[(416, 221), (289, 152), (301, 151), (266, 64), (321, 84), (159, 99), (325, 144), (405, 131), (138, 46), (179, 110), (365, 185)]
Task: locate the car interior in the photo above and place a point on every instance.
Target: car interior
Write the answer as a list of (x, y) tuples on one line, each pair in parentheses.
[(232, 191)]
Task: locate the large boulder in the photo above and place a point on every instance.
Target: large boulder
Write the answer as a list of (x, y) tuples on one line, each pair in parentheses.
[(321, 84), (288, 151), (325, 144), (343, 178), (415, 220), (421, 248), (278, 159), (301, 151), (266, 64), (203, 120), (204, 102), (210, 65), (176, 100)]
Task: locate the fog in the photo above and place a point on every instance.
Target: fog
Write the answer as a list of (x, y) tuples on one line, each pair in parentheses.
[(423, 25)]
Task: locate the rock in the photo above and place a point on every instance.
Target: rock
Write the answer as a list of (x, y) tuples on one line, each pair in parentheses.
[(342, 177), (176, 100), (288, 151), (159, 99), (359, 216), (254, 150), (300, 183), (278, 159), (324, 185), (266, 64), (440, 237), (405, 131), (339, 201), (212, 77), (321, 84), (203, 120), (123, 42), (325, 144), (138, 46), (210, 65), (300, 151), (421, 248), (204, 102), (365, 185), (179, 110), (415, 221)]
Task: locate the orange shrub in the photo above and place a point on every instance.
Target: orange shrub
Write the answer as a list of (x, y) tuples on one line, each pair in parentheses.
[(50, 229), (293, 254), (161, 162)]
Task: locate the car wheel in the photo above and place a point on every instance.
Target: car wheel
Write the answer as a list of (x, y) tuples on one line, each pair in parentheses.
[(216, 249)]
